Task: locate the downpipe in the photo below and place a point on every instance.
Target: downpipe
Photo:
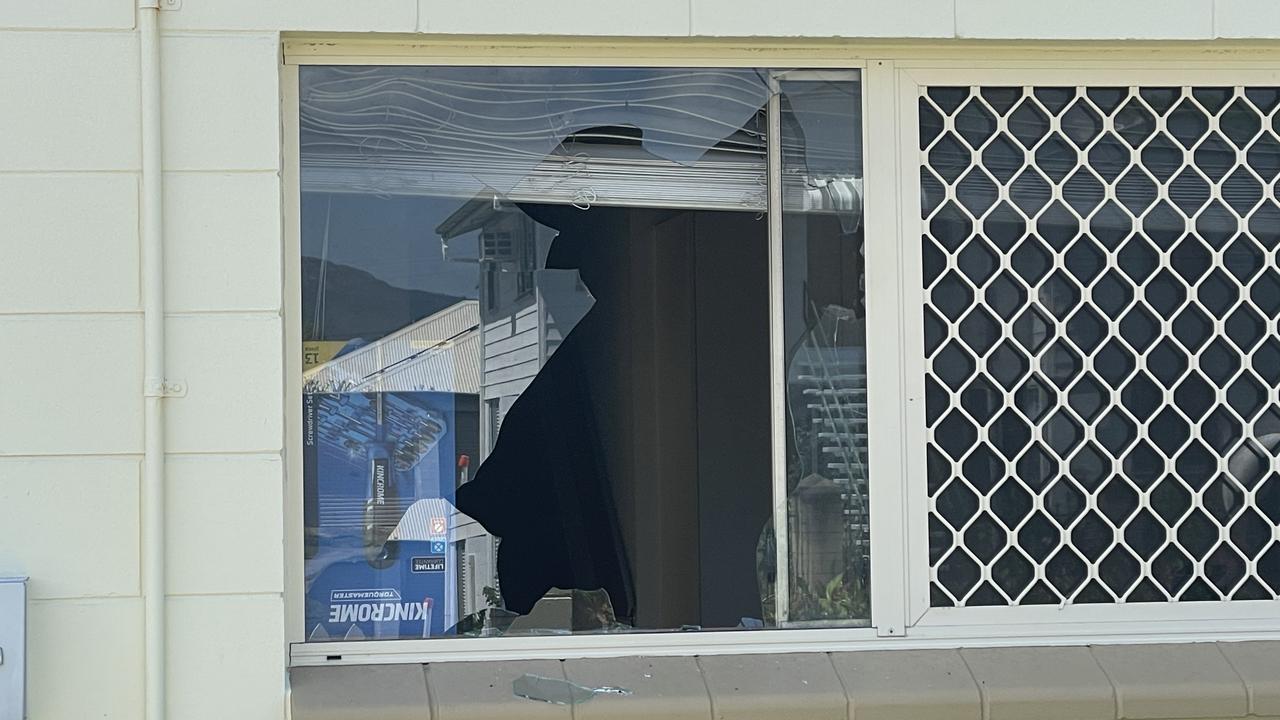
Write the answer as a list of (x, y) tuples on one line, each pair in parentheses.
[(155, 388)]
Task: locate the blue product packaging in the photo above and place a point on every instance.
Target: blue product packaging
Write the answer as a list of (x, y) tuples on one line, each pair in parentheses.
[(379, 481)]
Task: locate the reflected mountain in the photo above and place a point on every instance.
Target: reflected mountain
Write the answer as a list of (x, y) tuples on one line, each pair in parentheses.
[(356, 304)]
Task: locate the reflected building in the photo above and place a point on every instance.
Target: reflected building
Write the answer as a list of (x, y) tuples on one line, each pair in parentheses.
[(525, 312)]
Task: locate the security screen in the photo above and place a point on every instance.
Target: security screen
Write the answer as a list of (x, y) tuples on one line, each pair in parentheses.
[(1102, 286), (540, 313)]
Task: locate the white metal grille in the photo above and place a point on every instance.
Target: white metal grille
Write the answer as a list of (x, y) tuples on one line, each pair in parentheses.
[(1103, 359)]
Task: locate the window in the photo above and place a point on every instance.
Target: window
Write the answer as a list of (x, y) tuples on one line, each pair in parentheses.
[(543, 309), (614, 350)]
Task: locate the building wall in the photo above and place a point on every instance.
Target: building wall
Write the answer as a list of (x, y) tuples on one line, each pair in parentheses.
[(71, 329), (70, 312)]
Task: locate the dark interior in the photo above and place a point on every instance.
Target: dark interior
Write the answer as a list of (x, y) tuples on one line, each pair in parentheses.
[(638, 461)]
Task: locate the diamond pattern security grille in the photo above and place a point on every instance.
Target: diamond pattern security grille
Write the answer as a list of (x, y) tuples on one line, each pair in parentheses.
[(1102, 281)]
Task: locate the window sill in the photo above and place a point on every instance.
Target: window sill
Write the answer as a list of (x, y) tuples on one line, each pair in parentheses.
[(1108, 682)]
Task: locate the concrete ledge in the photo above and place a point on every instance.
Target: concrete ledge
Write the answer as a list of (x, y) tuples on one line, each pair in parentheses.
[(1165, 681), (399, 692), (918, 684), (1258, 665), (1204, 681), (482, 690), (774, 687), (1047, 683)]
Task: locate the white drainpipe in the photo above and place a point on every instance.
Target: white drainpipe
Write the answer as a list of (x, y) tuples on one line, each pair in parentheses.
[(155, 388)]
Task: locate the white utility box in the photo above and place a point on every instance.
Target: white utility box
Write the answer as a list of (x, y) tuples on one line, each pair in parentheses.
[(13, 648)]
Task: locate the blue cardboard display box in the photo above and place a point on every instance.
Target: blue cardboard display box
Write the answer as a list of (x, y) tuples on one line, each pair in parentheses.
[(379, 479)]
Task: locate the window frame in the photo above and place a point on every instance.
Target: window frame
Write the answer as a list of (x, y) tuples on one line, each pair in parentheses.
[(891, 78)]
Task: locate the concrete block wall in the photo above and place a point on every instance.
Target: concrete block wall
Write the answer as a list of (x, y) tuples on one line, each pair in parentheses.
[(70, 334), (70, 320)]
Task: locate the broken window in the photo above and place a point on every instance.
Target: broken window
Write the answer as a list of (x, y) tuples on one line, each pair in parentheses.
[(540, 318)]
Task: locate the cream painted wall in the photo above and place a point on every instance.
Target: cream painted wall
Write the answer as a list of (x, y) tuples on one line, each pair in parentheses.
[(70, 373), (70, 322)]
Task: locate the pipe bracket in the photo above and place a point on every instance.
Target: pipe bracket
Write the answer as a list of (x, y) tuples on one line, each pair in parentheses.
[(165, 388)]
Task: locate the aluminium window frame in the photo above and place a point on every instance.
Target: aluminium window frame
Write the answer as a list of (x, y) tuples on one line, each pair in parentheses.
[(630, 643), (891, 76)]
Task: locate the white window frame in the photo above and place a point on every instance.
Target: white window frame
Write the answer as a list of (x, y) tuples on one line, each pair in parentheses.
[(891, 78)]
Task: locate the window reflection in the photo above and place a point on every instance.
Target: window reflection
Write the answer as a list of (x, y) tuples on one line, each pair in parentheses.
[(826, 365), (536, 337)]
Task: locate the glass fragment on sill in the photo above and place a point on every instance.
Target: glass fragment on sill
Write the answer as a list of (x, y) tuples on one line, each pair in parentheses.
[(559, 612), (489, 622), (558, 691)]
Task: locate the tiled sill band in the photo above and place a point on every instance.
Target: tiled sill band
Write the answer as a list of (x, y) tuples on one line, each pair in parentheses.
[(1200, 681)]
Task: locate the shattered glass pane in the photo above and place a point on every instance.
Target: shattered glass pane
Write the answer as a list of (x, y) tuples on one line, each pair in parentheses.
[(536, 343), (559, 691), (525, 132)]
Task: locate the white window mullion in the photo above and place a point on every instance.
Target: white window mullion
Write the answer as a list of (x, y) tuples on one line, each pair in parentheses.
[(882, 228), (900, 549), (777, 361)]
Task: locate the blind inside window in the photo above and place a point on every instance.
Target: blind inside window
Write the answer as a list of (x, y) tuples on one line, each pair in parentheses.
[(679, 138)]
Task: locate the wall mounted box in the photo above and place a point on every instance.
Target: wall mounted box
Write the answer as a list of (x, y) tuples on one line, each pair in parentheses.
[(13, 648)]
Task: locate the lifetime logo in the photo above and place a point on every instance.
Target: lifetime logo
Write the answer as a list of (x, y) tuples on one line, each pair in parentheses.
[(428, 564)]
